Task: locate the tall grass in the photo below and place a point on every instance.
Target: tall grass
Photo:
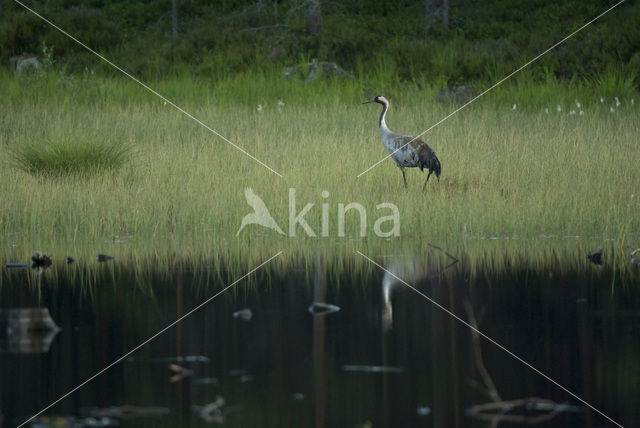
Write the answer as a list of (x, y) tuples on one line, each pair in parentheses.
[(524, 184)]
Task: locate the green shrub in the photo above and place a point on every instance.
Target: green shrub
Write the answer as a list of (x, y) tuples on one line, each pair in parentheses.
[(68, 157)]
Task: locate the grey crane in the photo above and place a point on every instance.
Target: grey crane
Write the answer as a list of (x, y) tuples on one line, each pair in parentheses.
[(407, 151)]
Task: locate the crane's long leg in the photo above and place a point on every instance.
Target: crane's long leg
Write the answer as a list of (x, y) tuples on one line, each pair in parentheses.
[(425, 183), (404, 176)]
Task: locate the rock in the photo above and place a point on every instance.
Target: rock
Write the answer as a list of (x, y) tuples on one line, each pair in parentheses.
[(317, 69), (23, 63), (458, 94)]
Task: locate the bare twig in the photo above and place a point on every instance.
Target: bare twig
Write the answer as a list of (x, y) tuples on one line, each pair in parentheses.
[(477, 351), (447, 254)]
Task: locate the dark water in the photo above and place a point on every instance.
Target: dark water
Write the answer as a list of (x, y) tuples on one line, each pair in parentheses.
[(388, 358)]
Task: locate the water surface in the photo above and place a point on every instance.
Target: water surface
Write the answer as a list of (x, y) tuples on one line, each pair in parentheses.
[(388, 357)]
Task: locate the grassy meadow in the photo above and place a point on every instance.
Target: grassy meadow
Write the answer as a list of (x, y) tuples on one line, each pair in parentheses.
[(519, 185)]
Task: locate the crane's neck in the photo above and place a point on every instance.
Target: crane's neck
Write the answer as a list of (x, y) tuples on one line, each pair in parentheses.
[(383, 124)]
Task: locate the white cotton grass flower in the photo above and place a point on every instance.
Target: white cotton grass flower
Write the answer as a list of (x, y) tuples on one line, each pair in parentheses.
[(578, 104), (601, 100), (280, 103), (617, 101), (259, 108), (572, 112), (559, 108), (611, 109), (581, 113), (514, 107), (632, 101), (546, 110), (165, 102)]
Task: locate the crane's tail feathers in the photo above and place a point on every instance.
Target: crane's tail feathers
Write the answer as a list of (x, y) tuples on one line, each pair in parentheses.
[(430, 161)]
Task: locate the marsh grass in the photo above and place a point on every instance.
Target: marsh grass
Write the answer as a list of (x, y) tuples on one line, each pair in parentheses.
[(68, 156), (517, 186)]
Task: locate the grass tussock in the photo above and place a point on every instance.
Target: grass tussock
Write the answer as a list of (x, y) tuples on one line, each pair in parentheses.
[(71, 157)]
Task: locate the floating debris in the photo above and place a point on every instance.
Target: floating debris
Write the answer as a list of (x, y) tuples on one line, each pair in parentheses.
[(319, 308), (212, 412), (104, 258), (238, 372), (635, 261), (100, 422), (372, 369), (182, 359), (521, 411), (242, 375), (41, 262), (70, 260), (180, 373), (16, 265), (129, 412), (423, 410), (40, 259), (243, 314), (595, 256), (26, 330), (206, 381), (55, 421)]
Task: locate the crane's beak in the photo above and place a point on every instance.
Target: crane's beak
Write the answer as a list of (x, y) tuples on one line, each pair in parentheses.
[(368, 101)]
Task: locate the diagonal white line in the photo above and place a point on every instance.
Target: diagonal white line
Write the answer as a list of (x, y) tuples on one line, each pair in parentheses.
[(150, 339), (493, 86), (189, 115), (457, 318)]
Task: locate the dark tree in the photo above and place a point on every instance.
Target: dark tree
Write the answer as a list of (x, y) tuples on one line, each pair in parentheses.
[(434, 7), (315, 16), (174, 17), (445, 13)]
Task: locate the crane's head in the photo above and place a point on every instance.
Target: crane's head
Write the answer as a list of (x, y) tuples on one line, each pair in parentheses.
[(380, 99)]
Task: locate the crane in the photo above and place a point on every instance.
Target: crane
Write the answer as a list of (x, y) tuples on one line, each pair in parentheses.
[(407, 151)]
